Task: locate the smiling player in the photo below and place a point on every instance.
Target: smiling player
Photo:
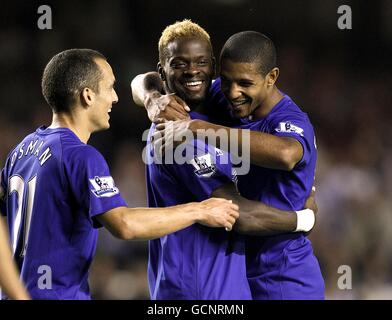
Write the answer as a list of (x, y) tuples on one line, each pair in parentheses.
[(189, 263), (58, 190)]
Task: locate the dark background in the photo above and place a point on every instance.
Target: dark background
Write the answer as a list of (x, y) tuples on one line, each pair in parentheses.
[(342, 78)]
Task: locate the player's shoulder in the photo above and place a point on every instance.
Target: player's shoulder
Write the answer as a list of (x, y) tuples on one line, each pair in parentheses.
[(81, 152), (22, 142), (290, 106), (288, 118), (288, 109), (215, 89), (215, 83), (68, 140)]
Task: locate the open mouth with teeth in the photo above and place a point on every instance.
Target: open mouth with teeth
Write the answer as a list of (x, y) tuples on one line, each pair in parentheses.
[(195, 85)]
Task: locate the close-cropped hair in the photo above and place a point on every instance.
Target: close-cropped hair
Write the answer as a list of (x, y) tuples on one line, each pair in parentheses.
[(250, 47), (67, 74)]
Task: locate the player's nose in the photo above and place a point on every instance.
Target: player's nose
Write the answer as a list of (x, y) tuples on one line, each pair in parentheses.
[(233, 92), (192, 70), (115, 97)]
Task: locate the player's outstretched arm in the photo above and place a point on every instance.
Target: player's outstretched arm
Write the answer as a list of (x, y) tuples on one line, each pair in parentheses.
[(258, 219), (9, 278), (266, 150), (149, 223), (148, 91)]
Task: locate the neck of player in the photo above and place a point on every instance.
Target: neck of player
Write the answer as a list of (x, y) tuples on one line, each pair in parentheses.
[(271, 100), (72, 121)]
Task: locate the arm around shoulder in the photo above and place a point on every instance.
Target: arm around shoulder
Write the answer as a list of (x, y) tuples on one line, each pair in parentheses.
[(256, 218), (265, 150)]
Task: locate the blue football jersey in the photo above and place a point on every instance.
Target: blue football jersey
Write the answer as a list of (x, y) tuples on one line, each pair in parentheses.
[(281, 266), (54, 187), (197, 262)]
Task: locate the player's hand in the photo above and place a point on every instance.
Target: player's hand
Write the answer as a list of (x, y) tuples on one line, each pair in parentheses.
[(218, 212), (169, 135), (166, 107)]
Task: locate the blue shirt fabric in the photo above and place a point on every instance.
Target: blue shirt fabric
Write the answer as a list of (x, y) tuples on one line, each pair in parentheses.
[(197, 262), (285, 190), (61, 185)]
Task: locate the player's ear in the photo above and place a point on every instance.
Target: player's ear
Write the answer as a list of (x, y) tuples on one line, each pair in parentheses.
[(87, 97), (161, 72), (272, 76)]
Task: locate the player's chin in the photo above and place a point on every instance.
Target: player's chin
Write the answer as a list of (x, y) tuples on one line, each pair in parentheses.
[(239, 112), (101, 127), (196, 97), (194, 102), (105, 125)]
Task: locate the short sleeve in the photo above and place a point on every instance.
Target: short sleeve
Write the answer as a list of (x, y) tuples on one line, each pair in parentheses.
[(295, 125), (93, 186)]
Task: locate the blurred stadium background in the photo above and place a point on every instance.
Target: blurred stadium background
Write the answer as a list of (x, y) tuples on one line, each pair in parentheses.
[(342, 78)]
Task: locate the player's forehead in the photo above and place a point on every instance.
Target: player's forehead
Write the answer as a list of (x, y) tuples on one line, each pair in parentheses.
[(239, 70), (188, 48)]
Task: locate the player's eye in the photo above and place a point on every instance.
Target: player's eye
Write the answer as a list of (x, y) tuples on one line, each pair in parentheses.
[(202, 63), (177, 65), (245, 84)]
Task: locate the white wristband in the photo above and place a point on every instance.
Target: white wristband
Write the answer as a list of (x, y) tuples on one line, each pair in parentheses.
[(305, 220)]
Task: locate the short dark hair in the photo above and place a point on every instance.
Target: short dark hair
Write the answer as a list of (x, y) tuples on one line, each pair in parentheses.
[(250, 47), (67, 74)]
